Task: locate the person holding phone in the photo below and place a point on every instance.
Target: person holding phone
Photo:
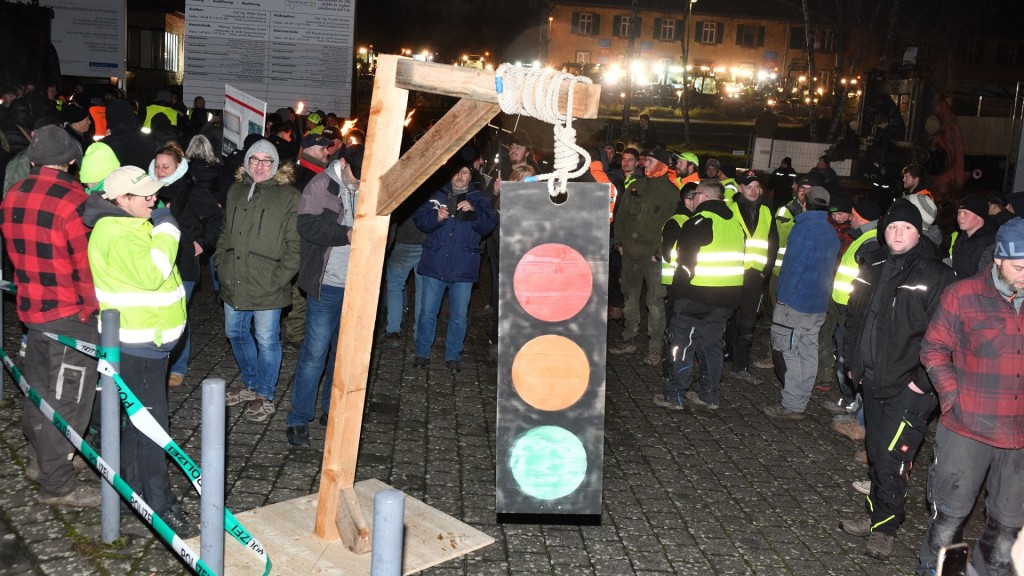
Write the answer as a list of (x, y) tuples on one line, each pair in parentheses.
[(455, 218), (972, 351)]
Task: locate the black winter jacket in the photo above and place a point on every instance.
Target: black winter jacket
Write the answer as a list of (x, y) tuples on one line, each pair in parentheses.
[(893, 299)]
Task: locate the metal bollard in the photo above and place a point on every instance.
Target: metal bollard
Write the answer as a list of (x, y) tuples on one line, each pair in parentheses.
[(211, 505), (388, 533), (110, 427)]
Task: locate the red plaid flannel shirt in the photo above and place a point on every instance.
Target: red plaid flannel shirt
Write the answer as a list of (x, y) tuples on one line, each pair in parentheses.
[(47, 242), (974, 353)]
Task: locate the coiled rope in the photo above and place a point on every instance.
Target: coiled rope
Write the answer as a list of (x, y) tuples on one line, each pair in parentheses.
[(535, 93)]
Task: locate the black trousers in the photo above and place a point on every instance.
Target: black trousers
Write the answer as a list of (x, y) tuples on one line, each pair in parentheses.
[(894, 428), (740, 329), (143, 463)]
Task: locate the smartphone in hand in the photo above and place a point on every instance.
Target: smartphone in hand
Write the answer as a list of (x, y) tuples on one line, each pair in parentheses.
[(953, 560)]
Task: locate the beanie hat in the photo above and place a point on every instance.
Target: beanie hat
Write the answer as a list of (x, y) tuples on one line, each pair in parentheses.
[(976, 203), (98, 162), (867, 209), (663, 156), (904, 211), (74, 113), (926, 206), (51, 146), (521, 138), (841, 202), (464, 158), (1010, 240), (811, 179)]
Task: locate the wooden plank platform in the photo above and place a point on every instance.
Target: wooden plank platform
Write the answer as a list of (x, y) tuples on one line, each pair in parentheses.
[(286, 529)]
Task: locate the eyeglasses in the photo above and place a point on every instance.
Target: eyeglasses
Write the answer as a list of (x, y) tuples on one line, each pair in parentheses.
[(265, 162), (147, 197)]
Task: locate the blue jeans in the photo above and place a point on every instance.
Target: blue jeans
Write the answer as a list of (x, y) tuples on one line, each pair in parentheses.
[(318, 348), (183, 351), (426, 325), (403, 259), (259, 359)]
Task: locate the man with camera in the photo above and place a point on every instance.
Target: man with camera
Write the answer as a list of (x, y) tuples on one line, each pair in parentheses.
[(454, 218)]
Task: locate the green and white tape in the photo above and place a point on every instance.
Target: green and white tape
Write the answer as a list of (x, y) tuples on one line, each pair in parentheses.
[(162, 529), (145, 423)]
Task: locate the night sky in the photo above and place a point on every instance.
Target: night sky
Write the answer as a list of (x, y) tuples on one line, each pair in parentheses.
[(510, 28)]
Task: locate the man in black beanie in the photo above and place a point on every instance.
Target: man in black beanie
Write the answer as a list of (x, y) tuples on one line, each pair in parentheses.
[(895, 294), (970, 248)]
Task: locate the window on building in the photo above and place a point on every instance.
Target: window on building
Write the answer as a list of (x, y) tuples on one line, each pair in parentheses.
[(586, 24), (974, 51), (582, 57), (823, 40), (710, 32), (749, 36), (1008, 54), (153, 49), (620, 26), (667, 29)]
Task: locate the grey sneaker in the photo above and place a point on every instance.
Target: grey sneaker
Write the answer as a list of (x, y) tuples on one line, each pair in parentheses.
[(879, 546), (862, 486), (662, 401), (259, 409), (81, 497), (694, 399), (860, 526), (777, 412), (237, 394)]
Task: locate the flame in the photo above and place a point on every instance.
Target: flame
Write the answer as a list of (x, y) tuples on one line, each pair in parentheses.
[(348, 126), (299, 107), (408, 118)]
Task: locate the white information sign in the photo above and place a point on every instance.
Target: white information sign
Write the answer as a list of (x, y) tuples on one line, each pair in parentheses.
[(89, 36), (243, 115), (283, 51)]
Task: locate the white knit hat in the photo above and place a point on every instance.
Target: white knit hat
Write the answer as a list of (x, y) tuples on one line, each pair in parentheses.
[(926, 206)]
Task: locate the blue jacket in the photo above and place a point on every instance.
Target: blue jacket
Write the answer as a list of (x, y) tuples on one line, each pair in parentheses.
[(805, 280), (451, 251)]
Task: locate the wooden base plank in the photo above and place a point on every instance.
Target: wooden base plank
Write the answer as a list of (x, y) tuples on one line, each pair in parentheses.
[(286, 529)]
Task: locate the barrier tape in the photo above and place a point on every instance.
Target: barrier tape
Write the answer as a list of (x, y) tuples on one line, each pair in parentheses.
[(145, 423), (8, 287), (130, 496)]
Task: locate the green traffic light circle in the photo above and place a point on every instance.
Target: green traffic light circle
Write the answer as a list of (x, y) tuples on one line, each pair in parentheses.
[(548, 462)]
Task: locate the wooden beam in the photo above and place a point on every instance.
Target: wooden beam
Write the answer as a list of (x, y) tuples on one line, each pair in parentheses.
[(359, 311), (351, 524), (477, 84), (453, 130)]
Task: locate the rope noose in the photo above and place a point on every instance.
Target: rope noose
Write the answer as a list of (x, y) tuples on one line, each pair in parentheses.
[(535, 93)]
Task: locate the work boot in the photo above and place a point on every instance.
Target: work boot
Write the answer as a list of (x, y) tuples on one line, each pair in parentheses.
[(879, 546), (778, 412), (627, 347), (80, 497), (860, 526), (745, 375), (696, 400), (298, 436), (663, 402), (848, 426)]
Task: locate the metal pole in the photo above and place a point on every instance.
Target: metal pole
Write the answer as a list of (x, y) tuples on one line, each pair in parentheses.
[(211, 505), (110, 427), (388, 527)]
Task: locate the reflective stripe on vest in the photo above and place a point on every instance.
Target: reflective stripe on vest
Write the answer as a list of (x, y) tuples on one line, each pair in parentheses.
[(668, 269), (784, 224), (756, 245), (720, 264), (848, 269)]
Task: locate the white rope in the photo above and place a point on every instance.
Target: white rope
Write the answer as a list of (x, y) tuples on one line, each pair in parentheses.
[(535, 93)]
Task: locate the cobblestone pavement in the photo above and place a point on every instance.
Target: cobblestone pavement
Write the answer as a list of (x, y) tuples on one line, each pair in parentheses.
[(702, 493)]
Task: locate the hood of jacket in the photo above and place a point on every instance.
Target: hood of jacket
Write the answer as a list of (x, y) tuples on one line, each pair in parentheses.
[(266, 147), (96, 207)]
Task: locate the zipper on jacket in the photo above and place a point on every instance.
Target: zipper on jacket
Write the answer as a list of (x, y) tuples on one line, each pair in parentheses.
[(259, 225)]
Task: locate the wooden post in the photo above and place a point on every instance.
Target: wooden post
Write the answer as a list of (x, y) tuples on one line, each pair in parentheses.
[(345, 418)]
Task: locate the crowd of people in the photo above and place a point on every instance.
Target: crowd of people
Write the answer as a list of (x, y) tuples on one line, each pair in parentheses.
[(906, 322), (870, 299)]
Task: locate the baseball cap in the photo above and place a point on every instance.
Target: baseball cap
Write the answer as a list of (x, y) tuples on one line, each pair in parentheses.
[(130, 180), (310, 140), (747, 177)]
